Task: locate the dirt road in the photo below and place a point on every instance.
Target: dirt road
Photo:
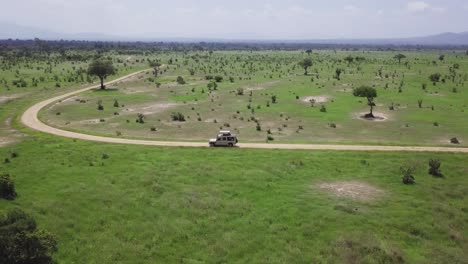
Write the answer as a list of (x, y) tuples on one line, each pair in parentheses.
[(30, 119)]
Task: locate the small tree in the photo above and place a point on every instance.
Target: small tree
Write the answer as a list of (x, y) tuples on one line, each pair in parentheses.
[(100, 107), (116, 103), (273, 99), (408, 177), (101, 68), (7, 187), (338, 72), (399, 57), (370, 93), (309, 51), (155, 65), (435, 77), (434, 168), (349, 59), (305, 64), (140, 118), (420, 101)]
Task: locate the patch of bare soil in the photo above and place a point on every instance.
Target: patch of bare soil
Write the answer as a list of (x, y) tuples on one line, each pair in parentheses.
[(355, 190), (89, 121), (7, 98), (10, 135), (151, 109), (316, 99), (378, 116), (260, 87)]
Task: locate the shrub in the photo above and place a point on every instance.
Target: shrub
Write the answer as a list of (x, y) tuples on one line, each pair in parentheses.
[(270, 138), (177, 116), (22, 242), (435, 77), (218, 78), (454, 141), (323, 109), (258, 127), (7, 187), (240, 91), (116, 103), (100, 106), (140, 118), (153, 128), (105, 156), (180, 80), (434, 168), (408, 177)]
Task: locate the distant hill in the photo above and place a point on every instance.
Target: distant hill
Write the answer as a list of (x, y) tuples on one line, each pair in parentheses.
[(10, 30)]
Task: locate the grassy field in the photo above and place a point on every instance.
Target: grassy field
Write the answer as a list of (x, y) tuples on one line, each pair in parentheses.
[(167, 205), (292, 119), (134, 204)]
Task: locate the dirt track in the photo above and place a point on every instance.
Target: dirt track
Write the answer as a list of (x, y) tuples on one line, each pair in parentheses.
[(30, 119)]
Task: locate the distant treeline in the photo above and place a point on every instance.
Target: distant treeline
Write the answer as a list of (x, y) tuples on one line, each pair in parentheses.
[(26, 47)]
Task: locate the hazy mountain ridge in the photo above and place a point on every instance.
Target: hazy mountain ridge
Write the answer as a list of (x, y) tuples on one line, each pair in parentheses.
[(14, 31)]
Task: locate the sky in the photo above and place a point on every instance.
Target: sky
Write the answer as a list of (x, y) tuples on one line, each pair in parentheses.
[(242, 19)]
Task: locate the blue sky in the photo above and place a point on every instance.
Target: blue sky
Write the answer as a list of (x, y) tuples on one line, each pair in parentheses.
[(260, 19)]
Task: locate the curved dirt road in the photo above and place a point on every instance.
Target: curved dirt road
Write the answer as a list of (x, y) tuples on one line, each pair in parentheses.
[(30, 119)]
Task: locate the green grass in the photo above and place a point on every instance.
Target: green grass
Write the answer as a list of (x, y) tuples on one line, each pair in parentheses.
[(276, 73), (168, 205)]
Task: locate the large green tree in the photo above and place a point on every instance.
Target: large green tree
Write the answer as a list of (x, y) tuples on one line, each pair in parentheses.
[(370, 93), (305, 64), (101, 68)]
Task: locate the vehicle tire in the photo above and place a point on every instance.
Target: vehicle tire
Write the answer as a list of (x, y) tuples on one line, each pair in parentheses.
[(212, 145), (231, 145)]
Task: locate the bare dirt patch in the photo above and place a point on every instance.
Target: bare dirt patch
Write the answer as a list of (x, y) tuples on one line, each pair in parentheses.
[(7, 98), (151, 109), (262, 86), (9, 135), (316, 99), (355, 190)]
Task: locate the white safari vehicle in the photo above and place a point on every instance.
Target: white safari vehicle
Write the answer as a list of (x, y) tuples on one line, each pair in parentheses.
[(224, 139)]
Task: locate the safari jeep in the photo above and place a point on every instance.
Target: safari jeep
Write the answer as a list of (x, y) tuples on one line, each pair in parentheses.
[(224, 139)]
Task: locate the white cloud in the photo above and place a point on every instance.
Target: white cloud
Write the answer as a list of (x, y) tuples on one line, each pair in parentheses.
[(421, 7), (418, 6), (351, 8)]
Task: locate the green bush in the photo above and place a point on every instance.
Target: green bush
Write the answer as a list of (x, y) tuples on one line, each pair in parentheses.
[(177, 116), (434, 168), (7, 187), (180, 80), (22, 242), (408, 177)]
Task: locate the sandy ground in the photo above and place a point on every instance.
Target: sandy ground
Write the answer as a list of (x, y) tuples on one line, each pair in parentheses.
[(317, 99), (355, 190), (30, 119)]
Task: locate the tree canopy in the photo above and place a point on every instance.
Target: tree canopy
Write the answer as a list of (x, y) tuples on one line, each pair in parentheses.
[(306, 63), (22, 242), (399, 57), (368, 92), (101, 68)]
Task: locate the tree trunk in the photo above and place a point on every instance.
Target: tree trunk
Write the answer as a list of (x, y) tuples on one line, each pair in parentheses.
[(102, 83), (305, 71)]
